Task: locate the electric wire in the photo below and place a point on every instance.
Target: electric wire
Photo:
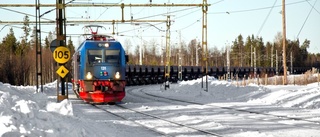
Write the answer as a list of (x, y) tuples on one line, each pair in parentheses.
[(24, 13), (251, 10), (138, 11), (186, 14), (158, 15), (175, 18), (161, 14), (105, 11), (265, 20), (307, 18), (198, 20), (313, 7), (102, 13), (140, 27), (217, 2)]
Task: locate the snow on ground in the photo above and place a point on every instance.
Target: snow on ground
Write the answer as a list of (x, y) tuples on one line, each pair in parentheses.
[(23, 112), (26, 113), (302, 96)]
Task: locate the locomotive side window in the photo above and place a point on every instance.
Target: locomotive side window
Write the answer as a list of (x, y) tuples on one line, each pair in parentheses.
[(112, 56)]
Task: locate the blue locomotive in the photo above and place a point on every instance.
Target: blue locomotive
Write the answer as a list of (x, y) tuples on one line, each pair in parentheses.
[(99, 67)]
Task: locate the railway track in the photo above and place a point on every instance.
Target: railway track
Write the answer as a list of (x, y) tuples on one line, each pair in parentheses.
[(234, 109), (145, 110), (151, 122)]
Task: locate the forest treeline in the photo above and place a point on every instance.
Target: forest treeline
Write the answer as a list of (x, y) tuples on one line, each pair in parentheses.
[(241, 52), (18, 56)]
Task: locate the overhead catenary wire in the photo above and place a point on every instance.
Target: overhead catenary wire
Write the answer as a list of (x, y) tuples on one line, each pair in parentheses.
[(306, 18), (162, 14), (105, 11), (186, 14), (217, 2), (313, 7), (140, 27), (256, 9), (15, 11), (198, 20), (265, 20)]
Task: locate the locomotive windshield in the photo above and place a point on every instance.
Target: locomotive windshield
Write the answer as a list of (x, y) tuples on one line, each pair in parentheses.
[(104, 56)]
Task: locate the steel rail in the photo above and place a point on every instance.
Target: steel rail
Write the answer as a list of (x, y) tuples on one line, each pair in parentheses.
[(239, 110), (172, 122), (124, 118), (157, 117)]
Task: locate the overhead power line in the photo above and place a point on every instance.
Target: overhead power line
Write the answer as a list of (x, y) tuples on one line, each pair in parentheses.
[(313, 6), (198, 20), (15, 11), (161, 14), (265, 20), (251, 10), (106, 5), (307, 18)]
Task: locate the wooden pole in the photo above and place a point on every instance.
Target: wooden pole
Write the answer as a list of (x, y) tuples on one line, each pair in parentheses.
[(284, 43), (266, 79)]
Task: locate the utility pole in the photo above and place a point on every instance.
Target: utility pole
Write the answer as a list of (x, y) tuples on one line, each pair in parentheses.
[(197, 56), (161, 52), (255, 62), (61, 37), (38, 48), (228, 62), (291, 62), (204, 41), (140, 54), (251, 56), (277, 62), (167, 67), (180, 58), (271, 56), (284, 42)]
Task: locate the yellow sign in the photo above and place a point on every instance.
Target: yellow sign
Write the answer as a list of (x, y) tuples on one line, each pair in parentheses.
[(61, 54), (62, 71)]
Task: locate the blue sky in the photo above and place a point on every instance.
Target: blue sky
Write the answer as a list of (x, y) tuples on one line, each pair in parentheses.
[(226, 20)]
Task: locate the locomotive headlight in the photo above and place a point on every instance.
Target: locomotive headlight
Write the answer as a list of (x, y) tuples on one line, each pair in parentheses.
[(106, 45), (117, 75), (89, 75)]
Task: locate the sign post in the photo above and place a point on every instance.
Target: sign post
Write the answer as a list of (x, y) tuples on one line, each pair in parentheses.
[(62, 55)]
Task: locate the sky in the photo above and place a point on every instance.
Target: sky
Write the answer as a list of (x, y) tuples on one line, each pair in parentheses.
[(229, 109), (226, 20)]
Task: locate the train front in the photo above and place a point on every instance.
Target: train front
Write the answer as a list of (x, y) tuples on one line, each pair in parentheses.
[(101, 66)]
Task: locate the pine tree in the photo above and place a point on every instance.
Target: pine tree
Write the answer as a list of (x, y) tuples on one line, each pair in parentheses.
[(9, 45)]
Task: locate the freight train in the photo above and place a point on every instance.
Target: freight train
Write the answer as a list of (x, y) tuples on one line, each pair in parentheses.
[(144, 75)]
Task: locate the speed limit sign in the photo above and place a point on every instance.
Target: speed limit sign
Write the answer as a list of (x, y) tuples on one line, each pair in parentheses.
[(61, 54)]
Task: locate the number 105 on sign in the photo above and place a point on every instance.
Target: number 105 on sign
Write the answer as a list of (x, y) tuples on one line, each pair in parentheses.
[(61, 54)]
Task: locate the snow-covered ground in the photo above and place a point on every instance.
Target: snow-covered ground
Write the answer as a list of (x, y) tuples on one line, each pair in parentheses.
[(26, 113)]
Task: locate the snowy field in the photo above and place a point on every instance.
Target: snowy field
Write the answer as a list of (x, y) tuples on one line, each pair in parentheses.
[(26, 113)]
